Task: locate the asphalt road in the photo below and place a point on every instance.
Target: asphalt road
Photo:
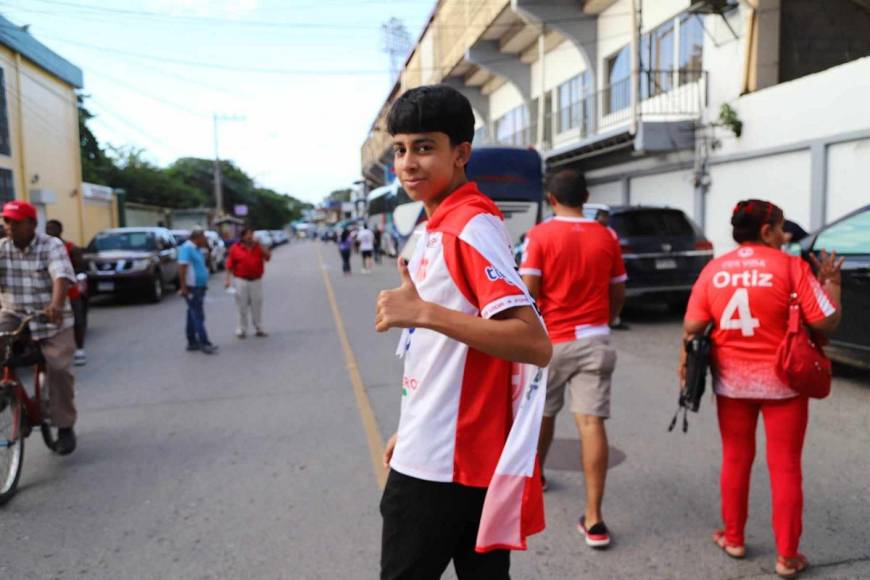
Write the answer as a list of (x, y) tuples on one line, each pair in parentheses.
[(255, 463)]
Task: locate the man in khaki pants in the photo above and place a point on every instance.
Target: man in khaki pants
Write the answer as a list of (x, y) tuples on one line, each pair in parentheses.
[(246, 262), (573, 267), (35, 275)]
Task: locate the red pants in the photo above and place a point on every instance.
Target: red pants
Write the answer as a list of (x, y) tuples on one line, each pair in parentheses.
[(785, 424)]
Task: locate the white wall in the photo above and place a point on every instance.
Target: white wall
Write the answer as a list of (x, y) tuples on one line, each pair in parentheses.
[(848, 178), (610, 193), (657, 11), (782, 179), (812, 107), (560, 64), (504, 99), (673, 189)]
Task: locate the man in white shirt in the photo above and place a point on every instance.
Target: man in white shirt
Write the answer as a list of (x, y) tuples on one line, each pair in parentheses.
[(366, 239)]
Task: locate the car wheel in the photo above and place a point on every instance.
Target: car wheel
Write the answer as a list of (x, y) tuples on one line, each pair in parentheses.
[(156, 290)]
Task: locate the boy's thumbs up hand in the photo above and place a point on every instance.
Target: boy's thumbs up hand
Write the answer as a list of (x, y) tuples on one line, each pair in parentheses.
[(399, 308)]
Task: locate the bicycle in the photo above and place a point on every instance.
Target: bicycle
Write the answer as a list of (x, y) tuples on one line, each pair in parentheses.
[(19, 413)]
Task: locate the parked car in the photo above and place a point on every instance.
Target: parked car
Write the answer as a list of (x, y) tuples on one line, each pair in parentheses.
[(132, 260), (217, 251), (280, 237), (265, 238), (663, 249), (850, 238)]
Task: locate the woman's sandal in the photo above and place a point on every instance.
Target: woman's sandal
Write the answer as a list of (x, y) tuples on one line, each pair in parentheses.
[(791, 567), (733, 551)]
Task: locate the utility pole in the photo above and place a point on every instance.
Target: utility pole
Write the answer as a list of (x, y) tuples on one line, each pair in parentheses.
[(218, 186)]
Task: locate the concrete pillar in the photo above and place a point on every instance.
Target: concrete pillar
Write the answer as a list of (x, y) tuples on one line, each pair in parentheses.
[(818, 185)]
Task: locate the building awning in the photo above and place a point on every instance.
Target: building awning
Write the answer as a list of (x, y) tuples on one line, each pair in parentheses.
[(651, 137)]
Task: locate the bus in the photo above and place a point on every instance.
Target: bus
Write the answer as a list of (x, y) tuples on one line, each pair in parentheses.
[(511, 176)]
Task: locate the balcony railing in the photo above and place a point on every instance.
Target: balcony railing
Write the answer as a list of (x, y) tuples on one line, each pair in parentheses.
[(664, 95)]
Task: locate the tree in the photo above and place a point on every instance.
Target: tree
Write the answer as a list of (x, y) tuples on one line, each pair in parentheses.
[(144, 182), (97, 166)]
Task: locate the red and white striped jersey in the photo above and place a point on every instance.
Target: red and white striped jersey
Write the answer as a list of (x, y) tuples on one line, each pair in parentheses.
[(457, 402)]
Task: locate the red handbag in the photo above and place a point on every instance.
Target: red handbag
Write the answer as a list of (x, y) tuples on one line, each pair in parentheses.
[(801, 363)]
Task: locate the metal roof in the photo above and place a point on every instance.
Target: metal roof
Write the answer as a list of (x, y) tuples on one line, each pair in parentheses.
[(20, 41)]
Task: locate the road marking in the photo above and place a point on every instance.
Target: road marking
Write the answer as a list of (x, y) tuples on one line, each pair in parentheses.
[(370, 424)]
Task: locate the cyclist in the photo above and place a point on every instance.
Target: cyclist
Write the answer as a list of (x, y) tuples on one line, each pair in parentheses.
[(76, 299), (35, 275)]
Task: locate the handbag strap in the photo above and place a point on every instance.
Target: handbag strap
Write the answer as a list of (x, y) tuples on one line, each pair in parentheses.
[(794, 307)]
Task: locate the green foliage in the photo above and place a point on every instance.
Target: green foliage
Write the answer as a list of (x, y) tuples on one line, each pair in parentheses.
[(144, 182), (96, 165), (187, 183), (728, 118)]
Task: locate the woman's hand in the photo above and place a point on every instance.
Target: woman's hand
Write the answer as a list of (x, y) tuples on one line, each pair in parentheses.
[(827, 267)]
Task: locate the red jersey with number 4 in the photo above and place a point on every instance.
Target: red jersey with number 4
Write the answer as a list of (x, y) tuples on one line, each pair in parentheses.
[(745, 293), (577, 259)]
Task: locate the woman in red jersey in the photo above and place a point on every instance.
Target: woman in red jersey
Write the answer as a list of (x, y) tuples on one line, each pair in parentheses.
[(744, 295)]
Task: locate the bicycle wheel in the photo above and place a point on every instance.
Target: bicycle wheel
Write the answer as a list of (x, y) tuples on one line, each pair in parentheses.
[(49, 432), (11, 445)]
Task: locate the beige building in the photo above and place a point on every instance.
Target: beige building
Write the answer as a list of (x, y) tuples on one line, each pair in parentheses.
[(40, 158), (631, 92)]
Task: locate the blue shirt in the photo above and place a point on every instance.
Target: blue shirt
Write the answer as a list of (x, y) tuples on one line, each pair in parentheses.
[(197, 273)]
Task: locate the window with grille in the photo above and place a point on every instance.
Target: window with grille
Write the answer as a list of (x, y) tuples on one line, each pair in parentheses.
[(7, 186), (5, 148)]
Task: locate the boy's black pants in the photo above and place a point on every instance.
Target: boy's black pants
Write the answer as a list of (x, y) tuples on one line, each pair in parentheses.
[(427, 524)]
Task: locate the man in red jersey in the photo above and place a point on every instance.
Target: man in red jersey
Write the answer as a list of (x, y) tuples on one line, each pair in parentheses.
[(573, 267)]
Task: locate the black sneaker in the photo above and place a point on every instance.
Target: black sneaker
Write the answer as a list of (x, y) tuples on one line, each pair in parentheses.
[(192, 347), (208, 348), (596, 536), (66, 441)]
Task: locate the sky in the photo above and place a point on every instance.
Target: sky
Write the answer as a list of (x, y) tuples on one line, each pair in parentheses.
[(298, 83)]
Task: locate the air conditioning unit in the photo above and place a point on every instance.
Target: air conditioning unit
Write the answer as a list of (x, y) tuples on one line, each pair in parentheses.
[(719, 7)]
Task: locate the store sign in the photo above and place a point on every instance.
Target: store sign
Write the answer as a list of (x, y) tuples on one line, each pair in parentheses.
[(240, 210)]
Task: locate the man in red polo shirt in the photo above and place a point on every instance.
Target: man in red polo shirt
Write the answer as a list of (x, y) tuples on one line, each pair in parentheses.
[(573, 267), (246, 262)]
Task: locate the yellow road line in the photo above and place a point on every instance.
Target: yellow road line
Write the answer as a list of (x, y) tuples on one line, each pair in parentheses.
[(370, 424)]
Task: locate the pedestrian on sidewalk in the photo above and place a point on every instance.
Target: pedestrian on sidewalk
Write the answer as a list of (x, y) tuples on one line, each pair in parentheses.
[(35, 276), (345, 246), (246, 263), (77, 300), (379, 239), (366, 239), (193, 277), (454, 472), (581, 292), (744, 295)]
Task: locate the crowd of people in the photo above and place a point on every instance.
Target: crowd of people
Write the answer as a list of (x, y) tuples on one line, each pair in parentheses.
[(485, 375)]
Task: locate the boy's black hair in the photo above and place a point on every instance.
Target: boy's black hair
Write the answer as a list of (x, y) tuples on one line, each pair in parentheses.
[(55, 222), (568, 187), (749, 216), (433, 109)]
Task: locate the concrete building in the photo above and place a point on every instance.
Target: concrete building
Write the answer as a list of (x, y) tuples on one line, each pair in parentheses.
[(40, 159), (691, 104)]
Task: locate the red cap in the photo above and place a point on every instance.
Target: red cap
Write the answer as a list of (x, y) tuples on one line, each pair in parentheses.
[(19, 210)]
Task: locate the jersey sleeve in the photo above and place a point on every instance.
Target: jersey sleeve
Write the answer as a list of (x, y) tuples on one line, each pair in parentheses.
[(814, 302), (483, 285), (533, 256), (617, 269), (699, 300)]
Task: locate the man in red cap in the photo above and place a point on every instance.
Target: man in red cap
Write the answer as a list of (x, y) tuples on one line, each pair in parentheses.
[(35, 274)]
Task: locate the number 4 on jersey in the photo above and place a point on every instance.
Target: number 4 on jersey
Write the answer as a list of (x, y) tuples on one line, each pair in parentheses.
[(744, 322)]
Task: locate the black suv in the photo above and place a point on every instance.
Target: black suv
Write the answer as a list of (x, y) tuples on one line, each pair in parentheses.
[(850, 238), (664, 251), (128, 260)]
